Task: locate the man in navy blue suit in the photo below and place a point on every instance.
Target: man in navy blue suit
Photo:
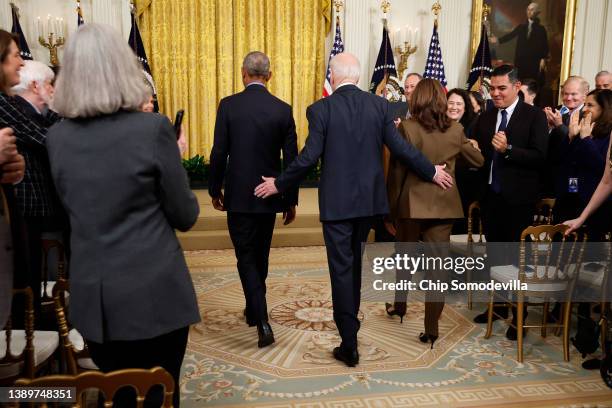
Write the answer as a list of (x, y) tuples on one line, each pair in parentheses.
[(347, 131)]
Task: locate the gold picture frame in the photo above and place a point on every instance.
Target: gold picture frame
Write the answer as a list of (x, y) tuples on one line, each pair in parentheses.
[(568, 34)]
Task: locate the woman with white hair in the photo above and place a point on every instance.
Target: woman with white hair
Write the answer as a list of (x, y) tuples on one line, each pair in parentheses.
[(118, 173)]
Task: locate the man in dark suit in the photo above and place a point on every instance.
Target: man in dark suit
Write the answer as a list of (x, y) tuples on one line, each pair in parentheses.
[(347, 130), (531, 45), (513, 141), (12, 166), (253, 127), (574, 92)]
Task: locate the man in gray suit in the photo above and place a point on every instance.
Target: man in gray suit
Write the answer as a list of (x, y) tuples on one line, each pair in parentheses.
[(12, 167)]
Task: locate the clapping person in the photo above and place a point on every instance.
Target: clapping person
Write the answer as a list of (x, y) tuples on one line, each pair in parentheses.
[(118, 173), (583, 154)]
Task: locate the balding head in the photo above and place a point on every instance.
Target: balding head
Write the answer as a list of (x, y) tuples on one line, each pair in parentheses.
[(574, 91), (345, 68), (603, 80)]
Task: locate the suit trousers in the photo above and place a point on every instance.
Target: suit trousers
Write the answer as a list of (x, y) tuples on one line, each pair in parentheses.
[(167, 351), (343, 242), (427, 230), (252, 235)]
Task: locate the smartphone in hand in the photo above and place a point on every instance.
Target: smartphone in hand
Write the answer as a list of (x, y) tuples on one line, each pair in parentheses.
[(178, 121)]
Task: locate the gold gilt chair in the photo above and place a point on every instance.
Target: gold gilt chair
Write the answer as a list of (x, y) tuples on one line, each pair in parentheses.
[(472, 243), (47, 286), (548, 274), (544, 211), (140, 380), (22, 352), (74, 349)]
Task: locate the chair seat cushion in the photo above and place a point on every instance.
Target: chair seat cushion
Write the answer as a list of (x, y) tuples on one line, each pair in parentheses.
[(45, 343), (506, 273), (87, 363), (49, 292), (79, 344), (463, 238)]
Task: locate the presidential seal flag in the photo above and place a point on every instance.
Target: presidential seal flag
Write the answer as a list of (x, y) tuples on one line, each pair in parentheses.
[(137, 46), (481, 66), (384, 78)]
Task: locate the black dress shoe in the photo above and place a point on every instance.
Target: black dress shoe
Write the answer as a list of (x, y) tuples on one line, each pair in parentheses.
[(484, 316), (592, 364), (350, 358), (266, 337)]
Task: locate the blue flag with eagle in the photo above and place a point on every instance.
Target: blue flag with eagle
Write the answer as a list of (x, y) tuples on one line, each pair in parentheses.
[(137, 45)]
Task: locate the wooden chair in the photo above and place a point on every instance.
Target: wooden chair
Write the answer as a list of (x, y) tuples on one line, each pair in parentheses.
[(140, 380), (24, 351), (544, 211), (548, 274), (46, 295), (74, 349), (471, 244)]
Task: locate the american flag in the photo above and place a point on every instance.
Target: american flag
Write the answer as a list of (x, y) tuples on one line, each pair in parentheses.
[(435, 67), (80, 19), (24, 50), (337, 48)]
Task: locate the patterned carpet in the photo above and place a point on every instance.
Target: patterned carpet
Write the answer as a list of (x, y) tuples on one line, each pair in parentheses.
[(224, 368)]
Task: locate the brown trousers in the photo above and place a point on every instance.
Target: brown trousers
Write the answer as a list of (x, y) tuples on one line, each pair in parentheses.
[(426, 230)]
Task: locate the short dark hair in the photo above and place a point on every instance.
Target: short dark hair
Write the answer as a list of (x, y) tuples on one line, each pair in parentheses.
[(504, 70), (603, 125), (6, 39), (531, 84)]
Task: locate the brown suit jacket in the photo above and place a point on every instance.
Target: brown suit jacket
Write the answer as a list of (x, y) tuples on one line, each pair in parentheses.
[(410, 196)]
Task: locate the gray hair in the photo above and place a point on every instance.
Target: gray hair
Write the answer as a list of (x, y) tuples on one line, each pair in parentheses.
[(32, 71), (602, 73), (349, 68), (256, 63), (100, 75), (584, 84)]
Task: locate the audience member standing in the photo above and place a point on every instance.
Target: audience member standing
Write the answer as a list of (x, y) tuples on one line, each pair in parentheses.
[(513, 140), (603, 80), (252, 129), (118, 173)]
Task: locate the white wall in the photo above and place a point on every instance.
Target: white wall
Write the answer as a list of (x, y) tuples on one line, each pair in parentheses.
[(593, 39), (113, 12)]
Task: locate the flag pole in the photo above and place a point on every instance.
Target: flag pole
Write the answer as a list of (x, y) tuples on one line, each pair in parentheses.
[(436, 9), (486, 10)]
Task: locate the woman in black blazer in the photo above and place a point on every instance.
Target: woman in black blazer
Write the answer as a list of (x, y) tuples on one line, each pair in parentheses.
[(118, 173)]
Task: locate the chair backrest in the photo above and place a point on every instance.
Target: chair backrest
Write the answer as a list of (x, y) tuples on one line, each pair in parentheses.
[(59, 298), (140, 380), (47, 246), (474, 221), (544, 211), (27, 355), (549, 255)]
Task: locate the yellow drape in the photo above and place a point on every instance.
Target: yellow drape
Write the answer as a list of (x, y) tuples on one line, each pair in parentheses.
[(196, 48)]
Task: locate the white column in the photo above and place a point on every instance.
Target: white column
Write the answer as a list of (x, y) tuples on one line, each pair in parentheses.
[(5, 15), (111, 12), (356, 36), (592, 39), (455, 36)]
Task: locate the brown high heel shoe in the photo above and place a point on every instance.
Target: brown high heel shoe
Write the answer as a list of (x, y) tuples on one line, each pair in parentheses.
[(396, 309)]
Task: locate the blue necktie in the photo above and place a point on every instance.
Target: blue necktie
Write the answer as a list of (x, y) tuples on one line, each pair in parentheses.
[(495, 177)]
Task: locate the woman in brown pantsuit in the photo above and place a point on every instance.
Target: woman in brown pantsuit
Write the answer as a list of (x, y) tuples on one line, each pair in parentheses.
[(419, 210)]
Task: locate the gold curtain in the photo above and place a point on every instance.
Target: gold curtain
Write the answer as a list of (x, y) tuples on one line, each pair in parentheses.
[(196, 48)]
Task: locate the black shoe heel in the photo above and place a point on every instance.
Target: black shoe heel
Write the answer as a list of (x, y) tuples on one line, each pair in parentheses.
[(425, 338), (392, 311)]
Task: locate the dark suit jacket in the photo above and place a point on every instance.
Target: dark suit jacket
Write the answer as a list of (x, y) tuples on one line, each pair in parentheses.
[(411, 197), (520, 171), (6, 259), (36, 194), (347, 130), (121, 181), (529, 51), (251, 130), (400, 109)]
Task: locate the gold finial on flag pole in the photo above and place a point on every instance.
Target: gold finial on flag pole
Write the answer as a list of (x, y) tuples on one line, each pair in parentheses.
[(436, 9), (338, 4), (385, 6)]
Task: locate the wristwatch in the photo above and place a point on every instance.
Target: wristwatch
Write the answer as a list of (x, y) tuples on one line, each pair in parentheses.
[(508, 150)]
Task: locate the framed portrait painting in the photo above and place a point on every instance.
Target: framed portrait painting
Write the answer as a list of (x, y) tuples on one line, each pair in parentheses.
[(534, 36)]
